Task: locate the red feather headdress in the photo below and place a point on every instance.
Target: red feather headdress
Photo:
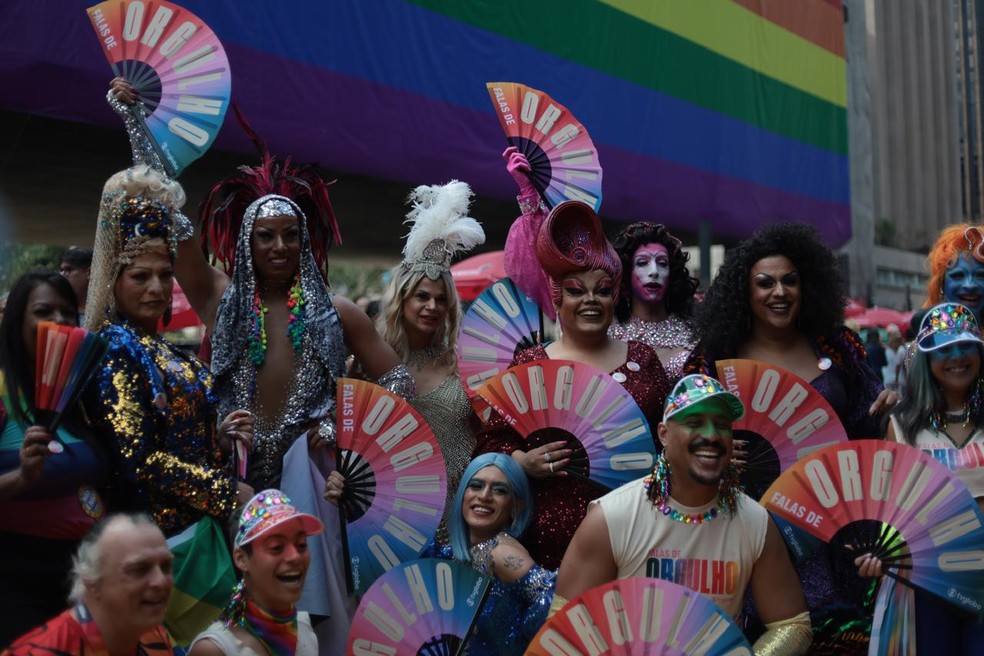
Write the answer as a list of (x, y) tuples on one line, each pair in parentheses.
[(222, 210)]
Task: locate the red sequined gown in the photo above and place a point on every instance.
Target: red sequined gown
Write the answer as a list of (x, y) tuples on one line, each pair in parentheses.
[(560, 503)]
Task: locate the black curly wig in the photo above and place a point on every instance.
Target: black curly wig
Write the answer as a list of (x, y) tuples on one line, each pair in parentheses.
[(680, 293), (724, 316)]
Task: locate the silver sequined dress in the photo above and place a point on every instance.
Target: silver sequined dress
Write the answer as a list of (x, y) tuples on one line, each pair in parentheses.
[(447, 411), (674, 332)]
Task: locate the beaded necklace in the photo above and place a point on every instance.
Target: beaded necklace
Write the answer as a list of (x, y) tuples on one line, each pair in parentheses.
[(657, 490), (256, 342)]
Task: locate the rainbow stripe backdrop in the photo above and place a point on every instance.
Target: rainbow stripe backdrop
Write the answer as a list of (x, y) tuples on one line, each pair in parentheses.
[(730, 111)]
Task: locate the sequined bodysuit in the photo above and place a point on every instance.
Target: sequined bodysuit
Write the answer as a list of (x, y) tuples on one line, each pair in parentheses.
[(311, 394), (560, 502), (513, 612), (157, 403), (674, 332), (447, 411)]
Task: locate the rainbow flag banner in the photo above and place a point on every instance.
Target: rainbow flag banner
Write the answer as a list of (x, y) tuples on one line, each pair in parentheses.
[(730, 112), (204, 577)]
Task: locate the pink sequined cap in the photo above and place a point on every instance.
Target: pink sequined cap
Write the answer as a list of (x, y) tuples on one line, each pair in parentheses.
[(267, 510)]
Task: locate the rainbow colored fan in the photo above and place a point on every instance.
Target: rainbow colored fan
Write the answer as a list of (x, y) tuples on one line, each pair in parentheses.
[(500, 323), (424, 607), (936, 529), (610, 437), (176, 64), (67, 358), (562, 157), (785, 419), (395, 481), (639, 616)]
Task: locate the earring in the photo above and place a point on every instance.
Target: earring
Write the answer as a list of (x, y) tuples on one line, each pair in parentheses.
[(728, 488), (235, 610), (657, 484)]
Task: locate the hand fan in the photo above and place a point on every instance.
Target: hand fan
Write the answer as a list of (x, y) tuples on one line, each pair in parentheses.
[(941, 527), (500, 323), (563, 158), (606, 429), (639, 616), (395, 480), (785, 419), (424, 607), (177, 65), (67, 358)]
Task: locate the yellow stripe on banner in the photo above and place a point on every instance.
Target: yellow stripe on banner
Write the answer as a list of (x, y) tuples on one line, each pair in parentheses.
[(732, 31)]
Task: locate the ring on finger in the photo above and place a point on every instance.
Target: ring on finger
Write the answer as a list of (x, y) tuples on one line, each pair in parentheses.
[(546, 456), (551, 468)]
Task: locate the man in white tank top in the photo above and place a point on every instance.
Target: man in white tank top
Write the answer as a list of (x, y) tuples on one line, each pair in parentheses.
[(689, 523)]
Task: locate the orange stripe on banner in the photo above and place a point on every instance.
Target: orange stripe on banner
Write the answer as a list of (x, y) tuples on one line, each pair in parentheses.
[(818, 21)]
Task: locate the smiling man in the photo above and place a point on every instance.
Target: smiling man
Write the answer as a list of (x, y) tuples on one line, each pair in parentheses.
[(688, 522), (121, 585)]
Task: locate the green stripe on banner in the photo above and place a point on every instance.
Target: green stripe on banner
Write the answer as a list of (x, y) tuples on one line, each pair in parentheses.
[(203, 579), (603, 38), (732, 31)]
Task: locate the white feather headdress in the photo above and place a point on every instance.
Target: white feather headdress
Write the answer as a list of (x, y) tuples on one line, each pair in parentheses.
[(440, 227)]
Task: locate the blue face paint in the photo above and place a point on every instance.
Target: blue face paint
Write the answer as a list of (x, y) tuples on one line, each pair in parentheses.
[(954, 350), (964, 283)]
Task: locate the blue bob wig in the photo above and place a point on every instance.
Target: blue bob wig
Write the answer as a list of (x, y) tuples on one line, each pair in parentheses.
[(522, 501)]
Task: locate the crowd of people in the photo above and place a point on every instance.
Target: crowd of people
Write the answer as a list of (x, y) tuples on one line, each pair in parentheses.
[(139, 515)]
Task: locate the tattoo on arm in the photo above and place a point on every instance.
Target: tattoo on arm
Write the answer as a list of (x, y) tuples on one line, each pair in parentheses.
[(513, 562)]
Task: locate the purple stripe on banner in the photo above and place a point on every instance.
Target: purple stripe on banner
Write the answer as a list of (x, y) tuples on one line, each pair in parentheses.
[(636, 187)]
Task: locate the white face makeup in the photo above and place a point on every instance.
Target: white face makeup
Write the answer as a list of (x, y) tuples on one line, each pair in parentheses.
[(650, 273)]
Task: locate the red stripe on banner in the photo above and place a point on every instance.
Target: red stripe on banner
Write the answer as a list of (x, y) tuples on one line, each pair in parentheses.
[(818, 21)]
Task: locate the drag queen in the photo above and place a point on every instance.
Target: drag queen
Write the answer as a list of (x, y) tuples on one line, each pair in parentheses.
[(420, 318), (583, 275), (153, 401), (657, 294), (279, 336)]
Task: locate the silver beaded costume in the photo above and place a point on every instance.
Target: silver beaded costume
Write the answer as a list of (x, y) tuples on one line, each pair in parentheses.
[(674, 332), (320, 361)]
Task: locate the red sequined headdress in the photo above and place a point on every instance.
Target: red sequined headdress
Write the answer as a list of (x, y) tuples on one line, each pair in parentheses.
[(571, 240), (222, 211)]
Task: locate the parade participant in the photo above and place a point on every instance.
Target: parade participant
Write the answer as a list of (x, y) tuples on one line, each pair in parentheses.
[(75, 265), (956, 268), (778, 298), (421, 316), (688, 522), (50, 493), (491, 510), (942, 414), (154, 401), (279, 336), (271, 551), (656, 299), (121, 581), (583, 273)]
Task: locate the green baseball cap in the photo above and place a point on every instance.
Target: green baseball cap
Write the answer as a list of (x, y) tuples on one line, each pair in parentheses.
[(697, 388)]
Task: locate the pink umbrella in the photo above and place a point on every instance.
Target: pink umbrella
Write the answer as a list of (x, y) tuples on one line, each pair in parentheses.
[(473, 275), (882, 317), (182, 314), (854, 307)]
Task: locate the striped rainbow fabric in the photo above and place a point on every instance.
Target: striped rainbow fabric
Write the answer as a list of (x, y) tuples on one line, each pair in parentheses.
[(729, 111)]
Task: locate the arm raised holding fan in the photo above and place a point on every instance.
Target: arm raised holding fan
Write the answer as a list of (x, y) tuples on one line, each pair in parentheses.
[(278, 335)]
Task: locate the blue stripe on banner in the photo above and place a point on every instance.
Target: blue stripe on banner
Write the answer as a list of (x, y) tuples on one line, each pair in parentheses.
[(334, 35)]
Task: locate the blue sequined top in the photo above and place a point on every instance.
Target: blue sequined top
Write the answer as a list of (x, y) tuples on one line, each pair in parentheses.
[(513, 612), (157, 403)]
